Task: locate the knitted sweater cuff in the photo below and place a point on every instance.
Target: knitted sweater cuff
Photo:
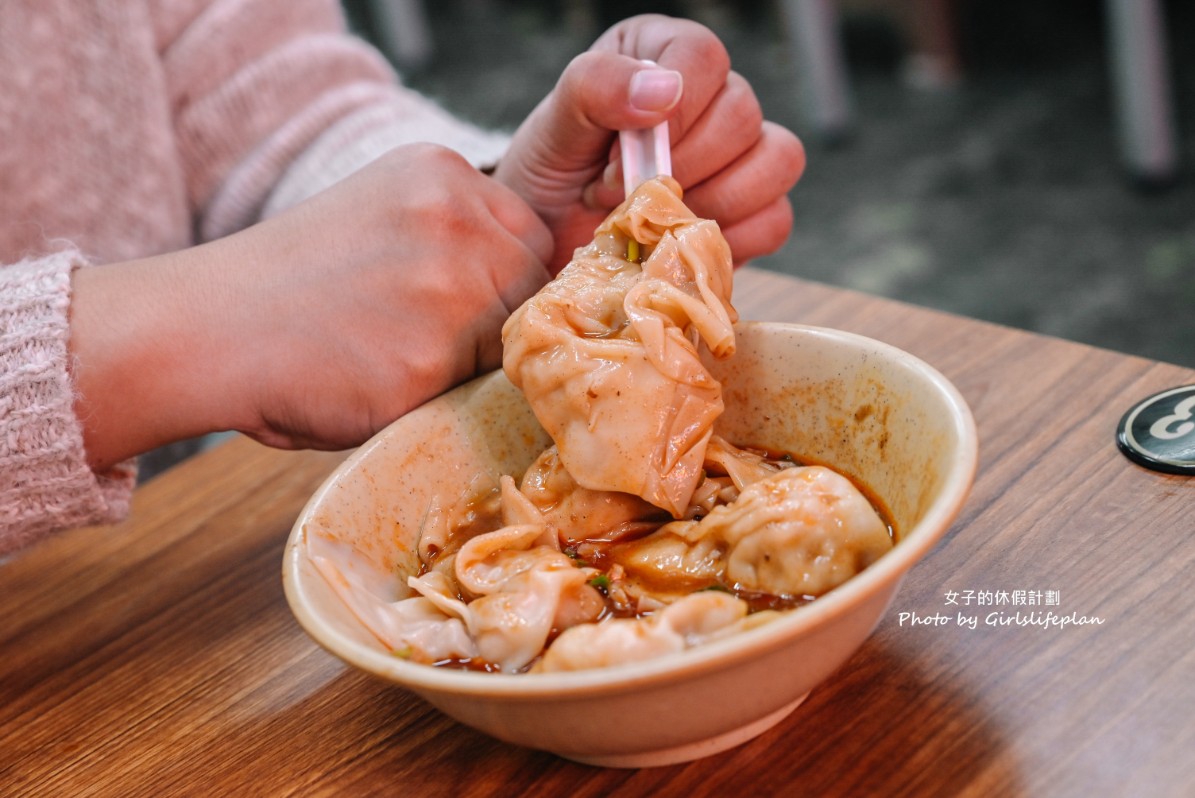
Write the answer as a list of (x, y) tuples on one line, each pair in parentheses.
[(45, 482)]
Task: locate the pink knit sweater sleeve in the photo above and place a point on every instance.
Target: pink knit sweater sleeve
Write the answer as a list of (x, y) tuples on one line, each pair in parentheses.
[(45, 482), (276, 101), (267, 103)]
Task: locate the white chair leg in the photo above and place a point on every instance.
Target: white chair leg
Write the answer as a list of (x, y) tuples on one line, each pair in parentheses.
[(1141, 85), (813, 30), (403, 31)]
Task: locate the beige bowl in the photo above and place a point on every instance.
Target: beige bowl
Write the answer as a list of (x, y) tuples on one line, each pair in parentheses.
[(866, 408)]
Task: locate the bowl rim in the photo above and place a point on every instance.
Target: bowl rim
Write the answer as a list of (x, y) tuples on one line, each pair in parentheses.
[(715, 655)]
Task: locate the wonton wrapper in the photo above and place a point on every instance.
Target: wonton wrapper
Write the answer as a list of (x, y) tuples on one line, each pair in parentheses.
[(686, 623), (800, 531), (607, 353)]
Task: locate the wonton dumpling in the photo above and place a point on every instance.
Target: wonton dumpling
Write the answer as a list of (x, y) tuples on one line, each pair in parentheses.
[(688, 622), (577, 513), (800, 531), (446, 525), (666, 564), (522, 586), (511, 625), (418, 628), (607, 353)]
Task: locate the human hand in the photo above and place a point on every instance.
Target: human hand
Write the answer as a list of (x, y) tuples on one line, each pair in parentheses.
[(317, 327), (735, 167)]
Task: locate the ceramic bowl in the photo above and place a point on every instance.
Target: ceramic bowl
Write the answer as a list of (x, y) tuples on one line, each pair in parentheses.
[(865, 408)]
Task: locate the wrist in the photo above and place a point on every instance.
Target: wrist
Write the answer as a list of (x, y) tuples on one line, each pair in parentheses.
[(146, 360)]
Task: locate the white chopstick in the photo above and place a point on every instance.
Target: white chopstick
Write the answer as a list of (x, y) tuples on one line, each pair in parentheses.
[(646, 153)]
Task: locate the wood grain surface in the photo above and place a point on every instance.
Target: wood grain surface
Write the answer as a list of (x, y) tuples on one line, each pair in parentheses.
[(159, 657)]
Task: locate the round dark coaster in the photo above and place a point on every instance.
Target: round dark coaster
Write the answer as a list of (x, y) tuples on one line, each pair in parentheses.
[(1159, 431)]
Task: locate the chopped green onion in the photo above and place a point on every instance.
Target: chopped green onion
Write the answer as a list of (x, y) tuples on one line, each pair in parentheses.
[(633, 250), (403, 653), (601, 582)]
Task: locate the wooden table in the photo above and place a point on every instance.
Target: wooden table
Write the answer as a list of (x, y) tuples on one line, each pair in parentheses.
[(160, 658)]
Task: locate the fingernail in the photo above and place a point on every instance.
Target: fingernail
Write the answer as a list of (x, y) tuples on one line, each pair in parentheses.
[(655, 89)]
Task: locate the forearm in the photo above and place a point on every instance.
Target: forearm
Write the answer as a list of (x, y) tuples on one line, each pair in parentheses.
[(150, 359), (314, 328)]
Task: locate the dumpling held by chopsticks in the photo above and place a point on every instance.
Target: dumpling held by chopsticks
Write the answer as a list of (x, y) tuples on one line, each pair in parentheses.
[(608, 353)]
